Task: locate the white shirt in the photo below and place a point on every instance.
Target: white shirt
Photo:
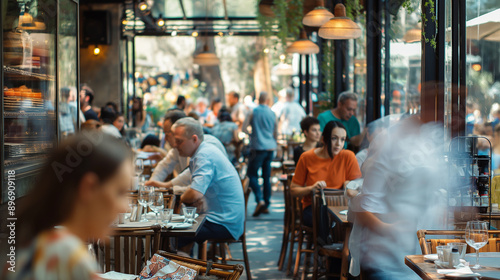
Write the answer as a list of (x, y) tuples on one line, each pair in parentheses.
[(402, 174), (111, 130), (290, 116)]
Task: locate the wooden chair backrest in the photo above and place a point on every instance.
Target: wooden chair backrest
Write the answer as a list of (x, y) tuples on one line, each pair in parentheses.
[(138, 247), (335, 197), (224, 271), (428, 246), (332, 198)]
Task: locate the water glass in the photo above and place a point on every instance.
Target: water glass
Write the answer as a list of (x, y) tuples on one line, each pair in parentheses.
[(476, 235), (156, 203), (167, 215), (461, 247), (143, 199), (443, 253), (189, 213), (138, 166)]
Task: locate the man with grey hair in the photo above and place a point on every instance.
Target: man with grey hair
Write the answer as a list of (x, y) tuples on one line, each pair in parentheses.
[(291, 114), (215, 183), (345, 112), (262, 146)]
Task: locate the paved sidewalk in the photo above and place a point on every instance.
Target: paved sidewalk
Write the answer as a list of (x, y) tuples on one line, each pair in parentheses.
[(264, 234)]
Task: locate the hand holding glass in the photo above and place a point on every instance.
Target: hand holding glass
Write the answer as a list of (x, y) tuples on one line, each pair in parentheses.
[(476, 235)]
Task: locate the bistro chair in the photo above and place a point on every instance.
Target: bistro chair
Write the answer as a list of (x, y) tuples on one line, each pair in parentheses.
[(428, 246), (223, 244), (300, 234), (338, 250), (286, 181), (128, 249), (221, 271)]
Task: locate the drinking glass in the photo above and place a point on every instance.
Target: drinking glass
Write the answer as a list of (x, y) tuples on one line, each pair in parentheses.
[(476, 235), (167, 215), (461, 247), (189, 213), (138, 166), (143, 199), (156, 203)]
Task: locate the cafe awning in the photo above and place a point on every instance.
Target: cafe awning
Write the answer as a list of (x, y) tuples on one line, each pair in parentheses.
[(485, 27)]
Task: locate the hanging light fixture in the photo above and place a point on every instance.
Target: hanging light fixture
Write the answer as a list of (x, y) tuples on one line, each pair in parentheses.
[(340, 27), (414, 34), (143, 6), (319, 16), (206, 58), (283, 68), (160, 21), (303, 45)]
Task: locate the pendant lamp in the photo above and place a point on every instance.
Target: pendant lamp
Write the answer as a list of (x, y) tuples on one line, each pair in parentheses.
[(317, 17), (413, 35), (340, 27), (303, 45), (206, 58)]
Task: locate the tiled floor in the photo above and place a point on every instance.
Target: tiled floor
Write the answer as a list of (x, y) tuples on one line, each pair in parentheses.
[(264, 235)]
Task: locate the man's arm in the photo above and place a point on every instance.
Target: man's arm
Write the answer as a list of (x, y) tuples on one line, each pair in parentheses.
[(183, 179), (165, 167), (247, 122), (356, 140), (192, 197)]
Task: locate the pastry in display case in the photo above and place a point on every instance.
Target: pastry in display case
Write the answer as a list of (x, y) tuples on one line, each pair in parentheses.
[(30, 85)]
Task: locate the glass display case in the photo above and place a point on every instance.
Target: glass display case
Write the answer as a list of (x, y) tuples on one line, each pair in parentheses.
[(39, 103)]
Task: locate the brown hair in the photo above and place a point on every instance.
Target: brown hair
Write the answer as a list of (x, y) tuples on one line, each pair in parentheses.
[(50, 202)]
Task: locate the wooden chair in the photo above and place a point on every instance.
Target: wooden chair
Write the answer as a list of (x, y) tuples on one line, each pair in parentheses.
[(338, 250), (224, 271), (300, 234), (137, 245), (428, 246), (286, 181), (223, 244)]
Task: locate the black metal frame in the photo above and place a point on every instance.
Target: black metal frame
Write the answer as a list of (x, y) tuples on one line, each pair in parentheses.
[(373, 59)]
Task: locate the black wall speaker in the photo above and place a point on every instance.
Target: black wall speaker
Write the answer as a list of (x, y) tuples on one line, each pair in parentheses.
[(96, 28)]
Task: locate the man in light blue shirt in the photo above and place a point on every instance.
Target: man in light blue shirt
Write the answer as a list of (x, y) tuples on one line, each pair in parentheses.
[(173, 161), (262, 146), (215, 186)]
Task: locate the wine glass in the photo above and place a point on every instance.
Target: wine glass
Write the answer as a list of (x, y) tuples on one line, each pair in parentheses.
[(156, 203), (143, 199), (139, 166), (476, 235)]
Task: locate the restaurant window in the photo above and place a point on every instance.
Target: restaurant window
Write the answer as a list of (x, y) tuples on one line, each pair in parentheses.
[(405, 53), (483, 66)]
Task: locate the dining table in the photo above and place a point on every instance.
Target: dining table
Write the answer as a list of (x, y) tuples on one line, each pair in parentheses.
[(429, 271), (191, 231)]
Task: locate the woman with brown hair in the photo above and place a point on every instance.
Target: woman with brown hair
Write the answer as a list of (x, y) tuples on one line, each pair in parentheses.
[(80, 192), (330, 166)]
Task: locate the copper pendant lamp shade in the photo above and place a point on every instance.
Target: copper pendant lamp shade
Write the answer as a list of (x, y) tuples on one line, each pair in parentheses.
[(340, 27), (317, 17), (206, 58), (303, 45), (413, 35)]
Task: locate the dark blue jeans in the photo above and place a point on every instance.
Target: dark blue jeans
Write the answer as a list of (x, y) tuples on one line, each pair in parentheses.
[(208, 231), (260, 159)]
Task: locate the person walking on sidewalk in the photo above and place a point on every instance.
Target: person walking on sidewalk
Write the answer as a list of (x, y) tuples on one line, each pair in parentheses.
[(262, 120)]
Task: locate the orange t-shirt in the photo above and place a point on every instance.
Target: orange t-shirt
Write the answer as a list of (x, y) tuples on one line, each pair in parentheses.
[(311, 169)]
